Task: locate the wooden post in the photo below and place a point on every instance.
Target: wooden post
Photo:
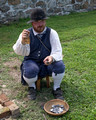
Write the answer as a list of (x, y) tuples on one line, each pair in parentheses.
[(47, 81), (38, 84)]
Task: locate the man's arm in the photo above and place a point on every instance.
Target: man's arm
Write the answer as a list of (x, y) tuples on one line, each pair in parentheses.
[(56, 51), (21, 49)]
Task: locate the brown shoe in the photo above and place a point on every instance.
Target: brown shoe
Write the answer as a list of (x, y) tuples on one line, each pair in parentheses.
[(31, 93), (58, 94)]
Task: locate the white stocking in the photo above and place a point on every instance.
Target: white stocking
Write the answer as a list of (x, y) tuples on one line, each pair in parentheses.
[(57, 78), (31, 81)]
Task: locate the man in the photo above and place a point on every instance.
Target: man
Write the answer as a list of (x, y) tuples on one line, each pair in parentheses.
[(42, 56)]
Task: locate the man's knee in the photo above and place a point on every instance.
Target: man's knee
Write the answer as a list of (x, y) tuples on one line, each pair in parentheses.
[(58, 67), (30, 70), (30, 73)]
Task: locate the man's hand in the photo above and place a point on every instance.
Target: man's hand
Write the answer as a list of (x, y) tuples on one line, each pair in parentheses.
[(25, 37), (48, 60)]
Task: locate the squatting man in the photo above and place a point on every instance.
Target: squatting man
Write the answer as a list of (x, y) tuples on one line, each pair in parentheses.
[(42, 54)]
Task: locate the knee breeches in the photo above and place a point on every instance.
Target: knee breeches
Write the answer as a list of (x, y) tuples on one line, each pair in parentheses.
[(31, 69)]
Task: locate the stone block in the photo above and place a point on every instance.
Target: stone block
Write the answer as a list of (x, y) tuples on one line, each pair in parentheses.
[(1, 106), (68, 8), (4, 112), (3, 98), (2, 2), (94, 1), (8, 107), (8, 103), (73, 1), (14, 109), (57, 10), (4, 8), (14, 2), (77, 6), (85, 5), (41, 3)]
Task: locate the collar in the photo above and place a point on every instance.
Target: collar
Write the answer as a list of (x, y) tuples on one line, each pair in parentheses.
[(36, 33)]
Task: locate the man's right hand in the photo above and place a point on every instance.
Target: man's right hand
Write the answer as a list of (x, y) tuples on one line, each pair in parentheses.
[(25, 36), (48, 60)]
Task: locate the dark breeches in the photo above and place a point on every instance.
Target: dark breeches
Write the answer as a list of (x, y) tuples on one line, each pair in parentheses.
[(31, 69)]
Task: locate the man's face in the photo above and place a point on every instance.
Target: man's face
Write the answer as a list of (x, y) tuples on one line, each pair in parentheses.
[(39, 25)]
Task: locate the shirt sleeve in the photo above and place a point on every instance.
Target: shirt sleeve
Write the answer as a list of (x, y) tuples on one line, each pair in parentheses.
[(56, 51), (21, 49)]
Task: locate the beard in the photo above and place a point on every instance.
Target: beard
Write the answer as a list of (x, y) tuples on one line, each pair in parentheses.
[(39, 29)]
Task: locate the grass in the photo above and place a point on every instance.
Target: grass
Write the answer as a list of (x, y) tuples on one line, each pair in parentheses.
[(77, 33)]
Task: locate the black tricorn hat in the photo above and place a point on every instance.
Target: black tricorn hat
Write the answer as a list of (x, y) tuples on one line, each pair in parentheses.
[(37, 14)]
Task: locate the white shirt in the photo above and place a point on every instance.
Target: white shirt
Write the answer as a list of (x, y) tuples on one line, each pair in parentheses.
[(56, 49)]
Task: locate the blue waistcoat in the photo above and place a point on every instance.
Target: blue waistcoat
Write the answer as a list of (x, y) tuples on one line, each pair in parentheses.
[(37, 51)]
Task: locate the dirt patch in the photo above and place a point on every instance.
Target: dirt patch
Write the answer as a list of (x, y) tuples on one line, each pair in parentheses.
[(14, 68), (1, 70), (13, 62)]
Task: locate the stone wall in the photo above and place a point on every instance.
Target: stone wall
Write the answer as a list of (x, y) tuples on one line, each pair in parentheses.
[(11, 10)]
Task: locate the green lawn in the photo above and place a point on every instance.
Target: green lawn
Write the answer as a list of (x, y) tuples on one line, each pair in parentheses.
[(77, 33)]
